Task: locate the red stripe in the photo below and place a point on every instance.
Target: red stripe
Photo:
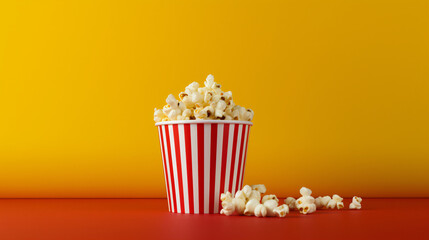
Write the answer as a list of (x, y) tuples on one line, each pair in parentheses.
[(200, 133), (165, 167), (224, 156), (188, 146), (240, 158), (234, 149), (213, 143), (179, 166), (167, 136), (245, 151)]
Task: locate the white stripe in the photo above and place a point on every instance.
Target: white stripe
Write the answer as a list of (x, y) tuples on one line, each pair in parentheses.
[(165, 166), (184, 165), (194, 144), (207, 136), (240, 183), (173, 157), (228, 157), (168, 167), (218, 166), (237, 154)]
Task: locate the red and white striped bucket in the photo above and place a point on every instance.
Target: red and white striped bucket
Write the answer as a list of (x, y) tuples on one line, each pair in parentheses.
[(202, 159)]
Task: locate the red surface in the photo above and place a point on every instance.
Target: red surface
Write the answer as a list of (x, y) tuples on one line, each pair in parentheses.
[(149, 219)]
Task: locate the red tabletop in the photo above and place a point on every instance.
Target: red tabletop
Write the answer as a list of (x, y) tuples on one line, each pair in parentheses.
[(148, 219)]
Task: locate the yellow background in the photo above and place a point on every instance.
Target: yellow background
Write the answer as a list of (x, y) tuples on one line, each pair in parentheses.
[(340, 90)]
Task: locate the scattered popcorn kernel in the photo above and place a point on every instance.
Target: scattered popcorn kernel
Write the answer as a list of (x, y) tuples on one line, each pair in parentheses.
[(306, 203), (306, 207), (226, 196), (305, 199), (305, 191), (240, 195), (322, 202), (271, 205), (250, 207), (247, 190), (318, 202), (228, 208), (270, 197), (290, 201), (255, 195), (239, 205), (325, 200), (356, 203), (260, 188), (331, 204), (260, 210), (281, 210), (338, 200)]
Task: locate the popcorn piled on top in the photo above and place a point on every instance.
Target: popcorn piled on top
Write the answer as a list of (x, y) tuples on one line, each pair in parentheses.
[(247, 201), (208, 102)]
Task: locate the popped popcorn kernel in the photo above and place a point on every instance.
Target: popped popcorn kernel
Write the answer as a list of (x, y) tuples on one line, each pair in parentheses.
[(270, 205), (356, 203), (306, 203), (290, 202), (260, 188), (250, 207), (281, 210), (260, 210), (270, 197)]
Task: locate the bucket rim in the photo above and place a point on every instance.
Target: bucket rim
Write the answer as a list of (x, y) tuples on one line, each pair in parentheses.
[(203, 121)]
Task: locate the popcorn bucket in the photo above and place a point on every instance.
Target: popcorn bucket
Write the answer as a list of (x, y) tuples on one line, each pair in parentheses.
[(202, 159)]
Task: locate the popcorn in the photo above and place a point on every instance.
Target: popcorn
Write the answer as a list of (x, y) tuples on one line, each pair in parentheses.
[(250, 207), (281, 210), (290, 202), (322, 202), (228, 208), (158, 115), (305, 191), (306, 203), (270, 197), (255, 195), (205, 103), (247, 202), (260, 188), (338, 200), (240, 195), (331, 204), (271, 205), (226, 196), (356, 203), (318, 202), (307, 208), (239, 205), (232, 206), (247, 190), (260, 210)]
